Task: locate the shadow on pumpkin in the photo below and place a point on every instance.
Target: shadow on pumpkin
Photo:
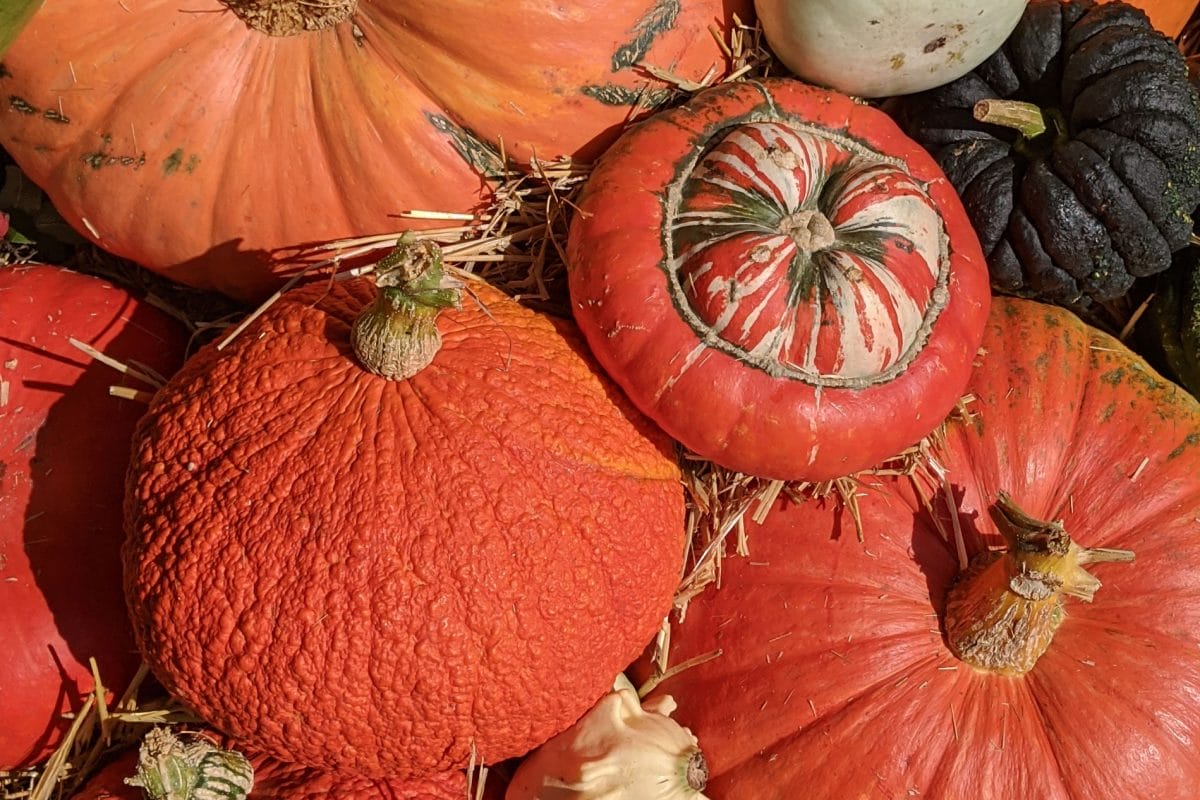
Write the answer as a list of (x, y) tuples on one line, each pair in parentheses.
[(68, 448), (934, 550)]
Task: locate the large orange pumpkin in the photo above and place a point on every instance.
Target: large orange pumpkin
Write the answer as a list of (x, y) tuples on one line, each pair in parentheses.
[(64, 447), (835, 677), (388, 576), (209, 140)]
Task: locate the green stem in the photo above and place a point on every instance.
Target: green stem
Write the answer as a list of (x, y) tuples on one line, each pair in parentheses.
[(1025, 118), (397, 336)]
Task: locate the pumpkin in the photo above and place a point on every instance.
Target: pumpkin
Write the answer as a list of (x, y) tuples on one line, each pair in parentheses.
[(1073, 148), (225, 138), (1168, 16), (64, 446), (845, 666), (876, 48), (272, 779), (771, 262), (393, 569), (619, 750)]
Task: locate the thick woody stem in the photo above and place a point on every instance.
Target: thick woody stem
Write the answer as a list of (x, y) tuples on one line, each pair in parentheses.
[(1002, 612)]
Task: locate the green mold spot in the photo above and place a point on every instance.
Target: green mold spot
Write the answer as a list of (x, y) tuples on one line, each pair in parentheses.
[(1114, 376), (1107, 412), (482, 157), (104, 157), (1189, 441), (171, 163), (661, 17), (610, 94)]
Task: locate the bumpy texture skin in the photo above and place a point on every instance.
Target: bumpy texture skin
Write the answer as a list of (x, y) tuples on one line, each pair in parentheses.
[(219, 155), (64, 448), (1105, 196), (780, 278), (375, 576), (834, 678)]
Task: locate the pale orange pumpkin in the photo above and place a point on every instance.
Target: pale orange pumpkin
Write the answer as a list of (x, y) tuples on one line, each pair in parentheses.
[(178, 135)]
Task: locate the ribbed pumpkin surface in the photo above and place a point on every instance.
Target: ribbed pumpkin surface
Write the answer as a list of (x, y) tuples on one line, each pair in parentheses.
[(834, 679), (171, 133), (378, 576)]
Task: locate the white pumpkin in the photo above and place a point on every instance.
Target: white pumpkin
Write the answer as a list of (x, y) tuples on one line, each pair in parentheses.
[(880, 48)]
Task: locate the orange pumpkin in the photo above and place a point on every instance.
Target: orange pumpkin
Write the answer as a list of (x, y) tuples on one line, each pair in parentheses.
[(390, 575), (213, 140), (855, 668)]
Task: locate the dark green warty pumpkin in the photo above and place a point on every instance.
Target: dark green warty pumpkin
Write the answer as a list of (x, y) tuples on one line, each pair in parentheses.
[(1074, 214)]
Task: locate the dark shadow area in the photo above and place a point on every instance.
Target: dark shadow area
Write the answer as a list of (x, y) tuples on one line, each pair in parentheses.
[(934, 549)]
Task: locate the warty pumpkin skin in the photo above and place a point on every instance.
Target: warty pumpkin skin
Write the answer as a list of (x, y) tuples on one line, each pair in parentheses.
[(64, 448), (176, 136), (780, 278), (1104, 196), (381, 576), (834, 676)]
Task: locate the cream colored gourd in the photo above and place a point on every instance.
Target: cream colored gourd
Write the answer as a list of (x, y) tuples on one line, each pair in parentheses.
[(880, 48), (620, 750)]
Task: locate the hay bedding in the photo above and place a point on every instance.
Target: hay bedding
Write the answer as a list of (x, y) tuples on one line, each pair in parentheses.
[(518, 246)]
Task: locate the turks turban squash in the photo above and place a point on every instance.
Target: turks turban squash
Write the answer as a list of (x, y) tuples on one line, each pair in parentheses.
[(212, 140), (64, 447), (356, 570), (780, 278), (868, 668)]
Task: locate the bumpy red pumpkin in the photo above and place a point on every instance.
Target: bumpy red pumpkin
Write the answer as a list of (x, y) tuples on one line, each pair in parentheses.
[(388, 575), (213, 140), (780, 278), (838, 674), (64, 447)]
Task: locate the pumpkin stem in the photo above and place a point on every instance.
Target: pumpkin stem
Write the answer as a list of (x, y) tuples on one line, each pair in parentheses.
[(697, 771), (1003, 610), (1026, 118), (291, 17), (397, 336), (810, 230)]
